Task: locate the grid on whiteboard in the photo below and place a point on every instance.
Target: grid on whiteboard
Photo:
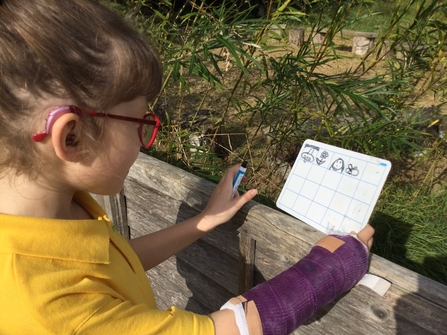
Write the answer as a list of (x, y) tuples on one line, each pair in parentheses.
[(333, 189)]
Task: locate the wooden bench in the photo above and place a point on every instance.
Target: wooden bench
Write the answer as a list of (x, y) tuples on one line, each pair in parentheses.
[(258, 243), (362, 41)]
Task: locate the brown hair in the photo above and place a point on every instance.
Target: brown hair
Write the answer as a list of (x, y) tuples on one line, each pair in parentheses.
[(76, 49)]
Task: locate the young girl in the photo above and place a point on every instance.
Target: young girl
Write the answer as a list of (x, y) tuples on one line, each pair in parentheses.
[(75, 82)]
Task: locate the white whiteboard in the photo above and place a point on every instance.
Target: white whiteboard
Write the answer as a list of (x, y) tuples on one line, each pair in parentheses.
[(333, 189)]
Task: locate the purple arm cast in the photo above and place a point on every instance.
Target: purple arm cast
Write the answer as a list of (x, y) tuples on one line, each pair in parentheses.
[(287, 300)]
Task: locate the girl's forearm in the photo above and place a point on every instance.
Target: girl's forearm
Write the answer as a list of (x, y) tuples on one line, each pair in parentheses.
[(154, 248)]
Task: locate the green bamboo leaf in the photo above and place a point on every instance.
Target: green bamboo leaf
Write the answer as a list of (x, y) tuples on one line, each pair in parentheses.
[(232, 50)]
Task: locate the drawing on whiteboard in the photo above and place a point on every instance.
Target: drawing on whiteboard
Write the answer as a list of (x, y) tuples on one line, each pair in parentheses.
[(322, 158), (340, 201), (308, 156), (352, 170), (338, 165)]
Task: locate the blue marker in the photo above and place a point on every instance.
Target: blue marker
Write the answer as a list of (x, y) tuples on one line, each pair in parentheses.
[(240, 174)]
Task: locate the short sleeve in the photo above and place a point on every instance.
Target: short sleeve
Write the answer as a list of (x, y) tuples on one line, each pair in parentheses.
[(75, 301), (121, 317)]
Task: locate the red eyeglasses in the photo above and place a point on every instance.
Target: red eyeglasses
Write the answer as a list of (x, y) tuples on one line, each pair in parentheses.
[(147, 131)]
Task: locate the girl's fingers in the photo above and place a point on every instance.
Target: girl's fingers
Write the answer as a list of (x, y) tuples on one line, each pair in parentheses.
[(366, 235)]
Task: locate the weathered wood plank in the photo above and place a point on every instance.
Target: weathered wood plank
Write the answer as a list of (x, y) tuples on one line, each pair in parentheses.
[(151, 211), (176, 283), (413, 305), (216, 254), (354, 33), (411, 281), (247, 248), (115, 207)]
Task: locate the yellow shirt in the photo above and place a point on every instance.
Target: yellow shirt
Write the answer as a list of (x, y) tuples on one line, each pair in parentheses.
[(79, 277)]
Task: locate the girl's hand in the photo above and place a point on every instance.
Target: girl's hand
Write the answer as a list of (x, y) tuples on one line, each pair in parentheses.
[(222, 205)]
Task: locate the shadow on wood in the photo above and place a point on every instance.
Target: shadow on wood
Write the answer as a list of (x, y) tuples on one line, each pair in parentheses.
[(257, 244)]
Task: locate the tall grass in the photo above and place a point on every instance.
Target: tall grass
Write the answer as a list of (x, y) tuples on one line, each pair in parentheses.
[(374, 16), (411, 229), (235, 89)]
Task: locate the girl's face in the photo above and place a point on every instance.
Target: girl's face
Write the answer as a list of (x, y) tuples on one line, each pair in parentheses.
[(119, 150)]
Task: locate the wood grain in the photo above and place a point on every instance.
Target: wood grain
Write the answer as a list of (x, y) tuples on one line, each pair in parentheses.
[(205, 275)]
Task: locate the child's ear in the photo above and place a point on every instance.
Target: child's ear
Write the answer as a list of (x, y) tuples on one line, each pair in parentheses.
[(64, 137)]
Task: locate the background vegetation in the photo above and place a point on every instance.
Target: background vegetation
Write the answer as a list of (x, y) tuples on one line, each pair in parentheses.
[(236, 90)]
